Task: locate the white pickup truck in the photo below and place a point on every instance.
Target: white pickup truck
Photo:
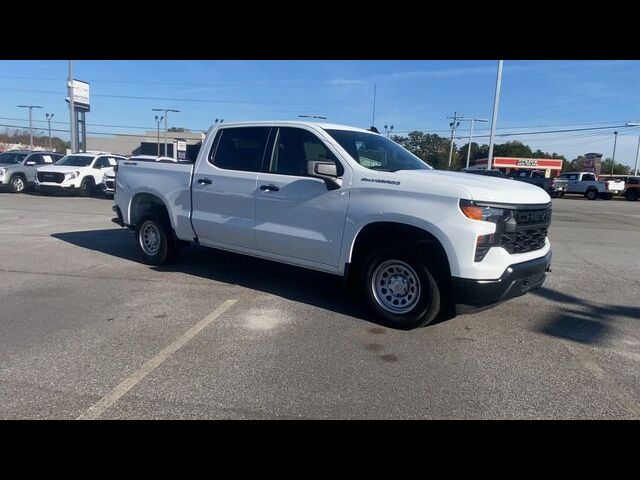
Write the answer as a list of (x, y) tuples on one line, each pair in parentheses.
[(417, 241), (587, 184)]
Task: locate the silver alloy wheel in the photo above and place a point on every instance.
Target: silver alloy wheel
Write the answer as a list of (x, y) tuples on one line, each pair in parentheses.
[(18, 184), (396, 286), (150, 238)]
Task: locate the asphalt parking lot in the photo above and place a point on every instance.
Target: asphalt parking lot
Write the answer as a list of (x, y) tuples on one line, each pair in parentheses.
[(86, 331)]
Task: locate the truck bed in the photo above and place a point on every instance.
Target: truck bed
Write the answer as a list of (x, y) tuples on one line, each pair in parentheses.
[(170, 182)]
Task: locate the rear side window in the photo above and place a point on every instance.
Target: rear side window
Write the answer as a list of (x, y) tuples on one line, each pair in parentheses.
[(35, 158), (588, 178), (241, 148), (294, 147)]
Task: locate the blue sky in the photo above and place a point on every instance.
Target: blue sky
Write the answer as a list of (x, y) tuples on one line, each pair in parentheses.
[(411, 95)]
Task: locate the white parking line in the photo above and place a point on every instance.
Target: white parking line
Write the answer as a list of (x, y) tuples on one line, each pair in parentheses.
[(98, 408)]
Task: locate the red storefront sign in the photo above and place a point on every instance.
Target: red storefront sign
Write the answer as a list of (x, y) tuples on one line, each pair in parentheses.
[(512, 162)]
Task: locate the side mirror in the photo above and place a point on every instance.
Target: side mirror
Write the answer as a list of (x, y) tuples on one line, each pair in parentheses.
[(327, 171), (30, 163)]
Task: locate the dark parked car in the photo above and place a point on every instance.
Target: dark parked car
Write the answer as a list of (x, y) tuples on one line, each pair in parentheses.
[(484, 171), (632, 189), (534, 177)]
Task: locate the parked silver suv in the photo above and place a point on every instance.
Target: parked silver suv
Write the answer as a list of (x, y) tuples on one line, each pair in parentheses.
[(18, 167)]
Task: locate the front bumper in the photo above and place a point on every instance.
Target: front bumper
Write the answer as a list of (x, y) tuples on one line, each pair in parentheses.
[(518, 279)]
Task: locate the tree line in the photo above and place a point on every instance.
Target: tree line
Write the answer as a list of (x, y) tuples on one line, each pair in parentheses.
[(21, 136), (434, 149)]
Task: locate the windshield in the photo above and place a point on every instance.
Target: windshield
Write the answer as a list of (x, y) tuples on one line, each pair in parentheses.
[(75, 161), (377, 152), (12, 158)]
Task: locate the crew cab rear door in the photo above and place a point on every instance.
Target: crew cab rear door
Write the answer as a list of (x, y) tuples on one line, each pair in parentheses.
[(299, 217), (224, 187)]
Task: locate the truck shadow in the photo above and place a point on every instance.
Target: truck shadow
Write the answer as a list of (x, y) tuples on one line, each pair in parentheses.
[(580, 320), (301, 285)]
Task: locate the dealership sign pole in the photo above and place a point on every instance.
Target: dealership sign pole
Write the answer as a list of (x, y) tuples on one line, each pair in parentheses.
[(494, 118)]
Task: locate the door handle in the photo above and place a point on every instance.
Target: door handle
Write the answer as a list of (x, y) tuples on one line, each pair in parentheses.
[(204, 181), (269, 188)]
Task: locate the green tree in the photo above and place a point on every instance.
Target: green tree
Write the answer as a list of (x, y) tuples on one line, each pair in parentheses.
[(618, 168), (431, 148)]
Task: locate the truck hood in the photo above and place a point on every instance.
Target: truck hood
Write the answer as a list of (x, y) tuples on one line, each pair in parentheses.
[(61, 168), (478, 187)]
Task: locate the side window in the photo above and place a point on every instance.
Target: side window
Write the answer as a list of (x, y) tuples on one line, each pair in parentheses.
[(47, 158), (588, 178), (101, 162), (573, 177), (111, 162), (35, 158), (240, 148), (293, 148)]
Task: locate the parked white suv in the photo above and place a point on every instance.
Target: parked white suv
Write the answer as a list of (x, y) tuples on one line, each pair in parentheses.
[(78, 172), (350, 202)]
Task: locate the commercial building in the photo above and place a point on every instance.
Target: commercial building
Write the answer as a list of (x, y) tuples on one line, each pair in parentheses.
[(551, 166), (147, 144)]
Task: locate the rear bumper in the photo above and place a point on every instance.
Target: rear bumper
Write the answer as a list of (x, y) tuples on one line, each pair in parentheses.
[(517, 280)]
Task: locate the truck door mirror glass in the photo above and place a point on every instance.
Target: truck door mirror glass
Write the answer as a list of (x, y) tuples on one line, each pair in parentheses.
[(327, 171)]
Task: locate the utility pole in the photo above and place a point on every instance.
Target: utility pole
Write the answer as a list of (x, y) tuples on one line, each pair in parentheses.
[(635, 170), (166, 115), (494, 117), (473, 120), (373, 118), (49, 116), (613, 157), (158, 120), (454, 125), (30, 107), (72, 125)]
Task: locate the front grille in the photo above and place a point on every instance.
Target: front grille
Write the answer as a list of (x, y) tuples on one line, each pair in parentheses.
[(526, 231), (524, 241), (50, 177), (109, 183)]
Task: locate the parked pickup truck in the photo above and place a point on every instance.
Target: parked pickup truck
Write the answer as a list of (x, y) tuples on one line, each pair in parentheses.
[(533, 177), (418, 242), (586, 183)]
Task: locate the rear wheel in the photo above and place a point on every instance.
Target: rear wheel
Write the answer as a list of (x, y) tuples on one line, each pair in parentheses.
[(591, 194), (17, 184), (154, 239), (401, 289), (632, 195)]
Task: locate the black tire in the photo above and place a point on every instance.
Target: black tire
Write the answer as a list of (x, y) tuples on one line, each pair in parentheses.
[(591, 194), (166, 249), (561, 195), (427, 304), (632, 195), (17, 184), (86, 187)]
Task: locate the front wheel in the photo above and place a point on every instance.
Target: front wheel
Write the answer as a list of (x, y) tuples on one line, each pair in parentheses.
[(400, 289), (86, 187), (154, 239), (17, 184)]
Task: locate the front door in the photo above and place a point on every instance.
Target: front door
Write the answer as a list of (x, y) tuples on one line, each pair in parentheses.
[(298, 217)]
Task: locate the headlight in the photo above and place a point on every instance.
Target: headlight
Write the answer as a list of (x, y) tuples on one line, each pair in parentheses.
[(3, 171), (501, 217), (483, 213), (71, 175)]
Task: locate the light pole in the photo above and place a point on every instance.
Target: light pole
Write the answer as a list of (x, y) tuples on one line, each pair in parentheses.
[(158, 120), (49, 116), (613, 157), (635, 170), (30, 107), (388, 130), (494, 117), (453, 126), (473, 120), (165, 111), (218, 120)]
